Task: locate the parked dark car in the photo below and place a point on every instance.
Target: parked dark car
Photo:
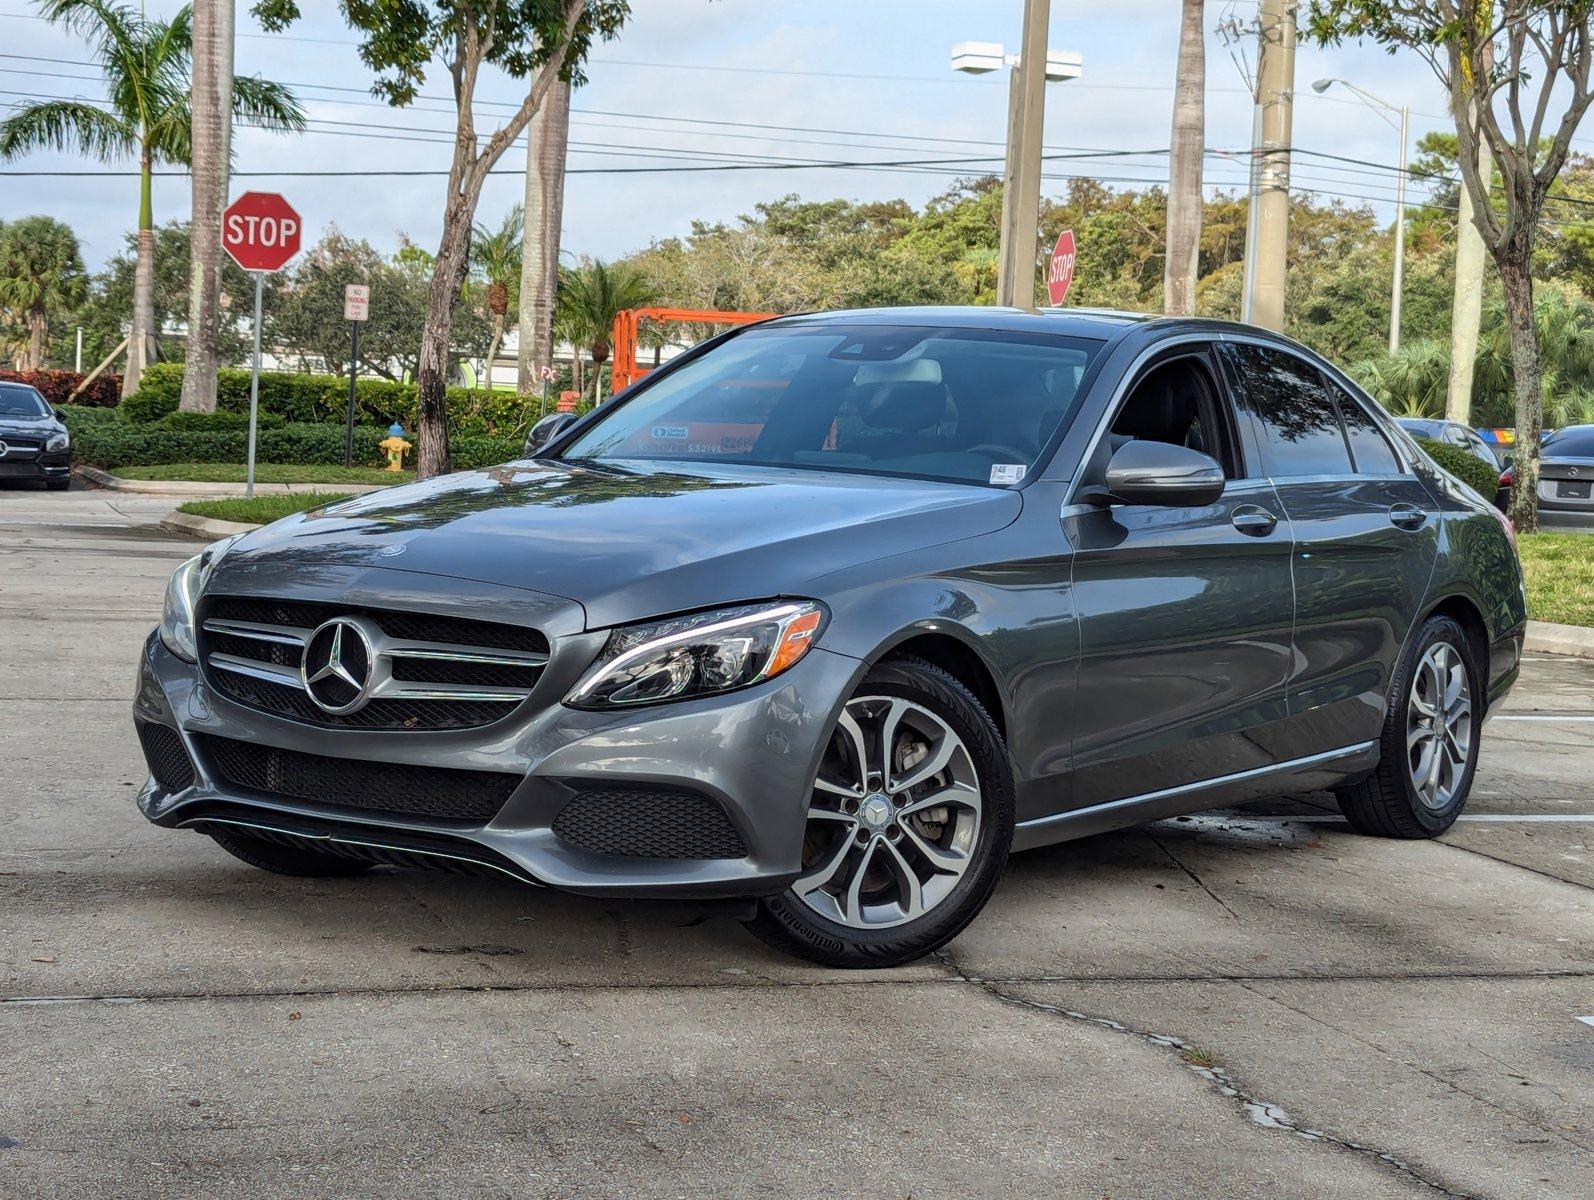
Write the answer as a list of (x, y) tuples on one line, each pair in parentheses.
[(34, 444), (833, 612), (1452, 433), (1566, 469)]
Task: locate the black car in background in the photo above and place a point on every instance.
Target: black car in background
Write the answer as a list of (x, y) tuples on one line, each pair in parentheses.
[(1452, 433), (1566, 469), (33, 440)]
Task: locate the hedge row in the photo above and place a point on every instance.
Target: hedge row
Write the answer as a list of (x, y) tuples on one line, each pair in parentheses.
[(56, 386), (111, 444), (1469, 468), (298, 398)]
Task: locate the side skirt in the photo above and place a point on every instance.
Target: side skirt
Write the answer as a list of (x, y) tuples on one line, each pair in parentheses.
[(1311, 773)]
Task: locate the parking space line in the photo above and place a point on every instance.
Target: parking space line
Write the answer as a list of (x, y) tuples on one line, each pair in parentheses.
[(1555, 717), (1496, 818)]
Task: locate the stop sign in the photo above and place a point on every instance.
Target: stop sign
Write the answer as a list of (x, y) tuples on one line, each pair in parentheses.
[(261, 231), (1060, 272)]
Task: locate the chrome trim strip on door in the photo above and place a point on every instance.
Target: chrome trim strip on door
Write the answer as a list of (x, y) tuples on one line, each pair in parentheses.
[(1201, 785)]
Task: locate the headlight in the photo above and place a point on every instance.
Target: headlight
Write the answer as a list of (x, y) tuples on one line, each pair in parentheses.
[(699, 655), (57, 442), (182, 597)]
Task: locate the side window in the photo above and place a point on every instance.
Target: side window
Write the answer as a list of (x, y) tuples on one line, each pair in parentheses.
[(1297, 423), (1177, 402), (1367, 443)]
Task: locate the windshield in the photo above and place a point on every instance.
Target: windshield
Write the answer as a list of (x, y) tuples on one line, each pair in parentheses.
[(970, 405), (20, 400), (1575, 442)]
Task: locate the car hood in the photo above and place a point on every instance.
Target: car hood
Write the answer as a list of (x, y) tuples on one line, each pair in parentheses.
[(33, 426), (634, 541)]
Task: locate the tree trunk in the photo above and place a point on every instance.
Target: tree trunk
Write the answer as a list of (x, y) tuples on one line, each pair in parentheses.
[(37, 330), (448, 277), (546, 139), (212, 138), (141, 338), (1185, 162), (492, 349), (1515, 260)]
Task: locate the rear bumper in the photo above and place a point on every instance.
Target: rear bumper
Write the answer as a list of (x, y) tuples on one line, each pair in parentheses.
[(752, 754)]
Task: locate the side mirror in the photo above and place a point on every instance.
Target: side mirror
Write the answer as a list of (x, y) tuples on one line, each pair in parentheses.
[(59, 415), (545, 430), (1143, 472)]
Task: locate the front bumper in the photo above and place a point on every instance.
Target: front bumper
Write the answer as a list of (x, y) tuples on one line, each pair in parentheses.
[(754, 752), (25, 464)]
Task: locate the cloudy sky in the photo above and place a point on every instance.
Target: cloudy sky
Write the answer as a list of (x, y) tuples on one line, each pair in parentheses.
[(703, 82)]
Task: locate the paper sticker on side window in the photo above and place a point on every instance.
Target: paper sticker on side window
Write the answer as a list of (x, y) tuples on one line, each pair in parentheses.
[(1007, 472)]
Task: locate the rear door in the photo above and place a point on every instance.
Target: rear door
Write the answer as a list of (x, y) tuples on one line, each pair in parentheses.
[(1184, 612), (1365, 540)]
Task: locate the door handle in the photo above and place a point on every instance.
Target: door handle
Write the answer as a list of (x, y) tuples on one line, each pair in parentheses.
[(1257, 522), (1407, 516)]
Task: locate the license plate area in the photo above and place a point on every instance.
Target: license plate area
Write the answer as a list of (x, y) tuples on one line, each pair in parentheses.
[(1573, 490)]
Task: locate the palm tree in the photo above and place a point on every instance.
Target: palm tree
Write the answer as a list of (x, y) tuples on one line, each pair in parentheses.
[(41, 271), (590, 297), (496, 254), (1184, 168), (212, 156), (146, 64), (546, 139)]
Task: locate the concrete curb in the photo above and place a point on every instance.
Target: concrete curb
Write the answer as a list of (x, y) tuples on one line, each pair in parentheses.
[(183, 487), (1545, 637), (203, 527)]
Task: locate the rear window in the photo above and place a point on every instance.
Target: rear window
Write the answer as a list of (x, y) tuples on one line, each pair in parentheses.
[(1577, 442), (1297, 423)]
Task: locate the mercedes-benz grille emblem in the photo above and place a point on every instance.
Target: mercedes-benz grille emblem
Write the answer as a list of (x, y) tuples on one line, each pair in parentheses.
[(1572, 471), (4, 449), (336, 670)]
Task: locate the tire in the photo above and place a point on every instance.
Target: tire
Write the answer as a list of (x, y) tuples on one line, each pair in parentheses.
[(286, 860), (1389, 802), (861, 913)]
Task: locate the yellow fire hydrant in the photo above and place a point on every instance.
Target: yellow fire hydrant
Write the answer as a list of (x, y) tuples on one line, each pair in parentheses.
[(395, 446)]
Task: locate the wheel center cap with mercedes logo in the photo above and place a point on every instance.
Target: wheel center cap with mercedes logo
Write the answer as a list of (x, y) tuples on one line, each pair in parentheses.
[(337, 668)]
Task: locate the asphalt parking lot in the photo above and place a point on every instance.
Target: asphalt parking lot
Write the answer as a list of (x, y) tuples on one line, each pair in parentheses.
[(1251, 1003)]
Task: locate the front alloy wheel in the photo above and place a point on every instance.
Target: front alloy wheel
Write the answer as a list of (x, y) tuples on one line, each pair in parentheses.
[(908, 825)]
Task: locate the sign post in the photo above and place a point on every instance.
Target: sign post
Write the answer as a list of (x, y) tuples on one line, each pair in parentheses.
[(260, 231), (356, 308), (1060, 270)]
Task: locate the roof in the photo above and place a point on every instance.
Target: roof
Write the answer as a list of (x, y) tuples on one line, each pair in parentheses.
[(1072, 322)]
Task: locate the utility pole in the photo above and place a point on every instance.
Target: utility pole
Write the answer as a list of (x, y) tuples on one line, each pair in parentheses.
[(1021, 192), (1267, 230), (1466, 309)]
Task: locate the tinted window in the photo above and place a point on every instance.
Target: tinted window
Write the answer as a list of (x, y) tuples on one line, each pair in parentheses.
[(960, 404), (1297, 423), (20, 400), (1577, 442), (1176, 403), (1373, 455)]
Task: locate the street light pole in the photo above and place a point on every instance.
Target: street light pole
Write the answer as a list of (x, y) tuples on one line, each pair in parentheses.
[(1021, 177), (1373, 102)]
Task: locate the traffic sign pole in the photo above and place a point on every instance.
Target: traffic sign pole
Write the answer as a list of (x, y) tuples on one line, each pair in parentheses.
[(254, 389), (354, 360)]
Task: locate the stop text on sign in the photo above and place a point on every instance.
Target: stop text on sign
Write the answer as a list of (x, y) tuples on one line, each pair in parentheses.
[(263, 231)]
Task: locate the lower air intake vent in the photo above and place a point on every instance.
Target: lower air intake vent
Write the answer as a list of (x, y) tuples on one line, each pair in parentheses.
[(168, 761), (649, 822), (373, 786)]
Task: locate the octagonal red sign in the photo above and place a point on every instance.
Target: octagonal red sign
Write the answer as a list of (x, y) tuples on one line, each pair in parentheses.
[(261, 231), (1060, 271)]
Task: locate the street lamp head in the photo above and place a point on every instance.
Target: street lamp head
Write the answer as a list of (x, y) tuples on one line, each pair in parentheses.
[(1064, 64), (1322, 85), (978, 58)]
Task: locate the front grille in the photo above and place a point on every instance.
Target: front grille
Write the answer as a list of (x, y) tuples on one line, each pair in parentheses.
[(427, 672), (649, 822), (163, 751), (353, 783)]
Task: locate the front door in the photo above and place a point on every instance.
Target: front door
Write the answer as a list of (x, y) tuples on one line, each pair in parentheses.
[(1184, 613)]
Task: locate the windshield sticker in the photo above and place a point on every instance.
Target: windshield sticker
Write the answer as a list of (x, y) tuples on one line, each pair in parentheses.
[(1007, 472)]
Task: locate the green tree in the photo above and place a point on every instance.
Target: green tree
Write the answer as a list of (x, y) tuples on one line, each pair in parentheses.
[(590, 297), (401, 40), (41, 275), (496, 255), (146, 67)]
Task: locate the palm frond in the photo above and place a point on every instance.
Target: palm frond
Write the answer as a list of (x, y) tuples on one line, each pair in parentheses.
[(67, 125), (267, 105)]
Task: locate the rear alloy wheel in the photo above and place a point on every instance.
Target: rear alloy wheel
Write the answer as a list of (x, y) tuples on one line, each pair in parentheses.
[(1429, 747), (908, 825)]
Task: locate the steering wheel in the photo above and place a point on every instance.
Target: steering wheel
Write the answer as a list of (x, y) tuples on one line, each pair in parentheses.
[(997, 452)]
